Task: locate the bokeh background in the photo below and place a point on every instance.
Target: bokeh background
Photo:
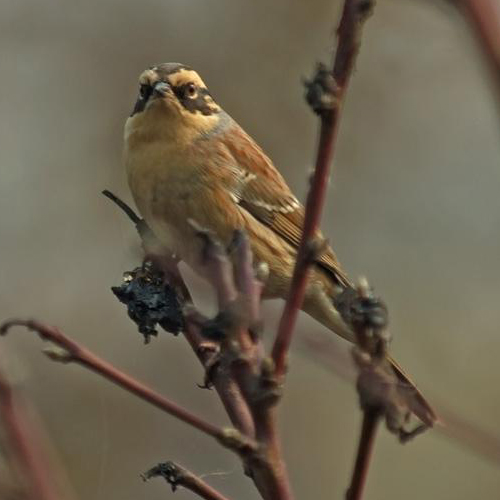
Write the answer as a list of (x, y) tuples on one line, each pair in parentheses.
[(414, 204)]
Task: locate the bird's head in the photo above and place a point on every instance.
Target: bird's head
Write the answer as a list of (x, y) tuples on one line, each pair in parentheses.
[(173, 103)]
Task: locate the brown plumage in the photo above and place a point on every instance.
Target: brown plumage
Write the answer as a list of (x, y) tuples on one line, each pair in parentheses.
[(187, 159)]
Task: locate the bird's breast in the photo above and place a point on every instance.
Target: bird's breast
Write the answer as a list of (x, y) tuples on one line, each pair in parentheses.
[(162, 182), (174, 183)]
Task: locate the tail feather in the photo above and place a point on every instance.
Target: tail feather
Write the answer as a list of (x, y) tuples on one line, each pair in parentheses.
[(318, 304), (419, 405)]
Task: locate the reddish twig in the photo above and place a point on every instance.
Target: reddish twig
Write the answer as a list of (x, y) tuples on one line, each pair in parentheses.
[(24, 446), (124, 206), (371, 419), (325, 95), (220, 377), (177, 476), (380, 392), (375, 380), (484, 17), (239, 291), (71, 351), (328, 354), (206, 350)]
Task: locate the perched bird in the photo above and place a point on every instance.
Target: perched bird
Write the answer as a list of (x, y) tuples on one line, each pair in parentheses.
[(186, 158)]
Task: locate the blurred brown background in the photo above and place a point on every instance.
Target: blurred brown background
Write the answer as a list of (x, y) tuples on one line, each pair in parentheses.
[(413, 204)]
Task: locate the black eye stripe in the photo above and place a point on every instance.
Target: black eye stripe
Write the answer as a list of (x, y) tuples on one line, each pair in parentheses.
[(190, 96), (184, 90), (145, 92), (202, 102)]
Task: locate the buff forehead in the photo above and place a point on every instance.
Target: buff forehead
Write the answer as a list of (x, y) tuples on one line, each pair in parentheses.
[(177, 78)]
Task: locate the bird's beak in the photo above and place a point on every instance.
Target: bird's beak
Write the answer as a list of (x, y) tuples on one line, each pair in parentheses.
[(161, 89)]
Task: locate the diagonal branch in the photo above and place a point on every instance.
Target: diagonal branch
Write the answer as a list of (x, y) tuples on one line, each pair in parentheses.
[(234, 363), (176, 476), (325, 95), (242, 351), (71, 351), (206, 350), (371, 419), (25, 450)]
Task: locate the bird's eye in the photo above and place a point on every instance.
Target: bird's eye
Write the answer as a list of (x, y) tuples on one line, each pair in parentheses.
[(145, 90), (190, 89)]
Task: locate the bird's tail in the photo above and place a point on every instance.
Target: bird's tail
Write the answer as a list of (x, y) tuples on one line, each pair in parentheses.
[(420, 407), (320, 307)]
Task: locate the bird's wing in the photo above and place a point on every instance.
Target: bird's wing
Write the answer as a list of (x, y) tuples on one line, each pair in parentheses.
[(262, 191)]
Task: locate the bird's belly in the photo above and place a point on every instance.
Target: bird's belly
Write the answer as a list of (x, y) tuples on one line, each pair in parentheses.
[(171, 193), (168, 235), (169, 197), (156, 198)]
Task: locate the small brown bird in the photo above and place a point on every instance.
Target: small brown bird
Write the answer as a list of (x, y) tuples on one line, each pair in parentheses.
[(188, 159)]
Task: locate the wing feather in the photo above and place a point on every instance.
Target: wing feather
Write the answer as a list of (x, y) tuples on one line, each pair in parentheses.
[(261, 190)]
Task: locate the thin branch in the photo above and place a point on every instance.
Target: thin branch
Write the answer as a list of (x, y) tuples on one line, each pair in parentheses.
[(126, 208), (71, 351), (328, 354), (266, 388), (24, 446), (371, 419), (206, 350), (239, 300), (375, 383), (220, 377), (216, 267), (177, 476), (379, 391), (325, 95)]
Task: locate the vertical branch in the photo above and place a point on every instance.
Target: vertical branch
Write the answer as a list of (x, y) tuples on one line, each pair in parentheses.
[(242, 351), (371, 419), (325, 95), (222, 380), (369, 320), (206, 350), (380, 393)]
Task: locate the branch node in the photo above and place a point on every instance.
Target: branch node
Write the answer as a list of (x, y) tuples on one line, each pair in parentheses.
[(368, 311), (364, 9), (322, 91), (210, 352), (59, 354), (176, 476), (270, 390), (234, 440), (368, 316), (169, 471)]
